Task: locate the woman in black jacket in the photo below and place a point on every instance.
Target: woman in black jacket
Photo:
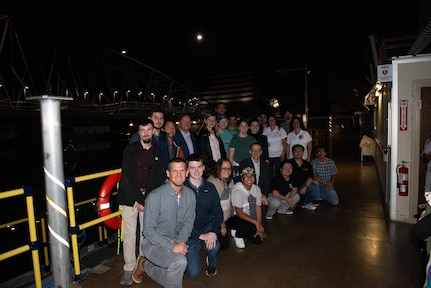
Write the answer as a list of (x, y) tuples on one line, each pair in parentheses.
[(210, 145)]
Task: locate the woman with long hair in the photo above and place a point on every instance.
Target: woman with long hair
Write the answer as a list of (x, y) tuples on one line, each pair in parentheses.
[(221, 177), (210, 145)]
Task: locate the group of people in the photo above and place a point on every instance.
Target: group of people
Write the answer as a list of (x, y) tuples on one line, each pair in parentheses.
[(180, 190)]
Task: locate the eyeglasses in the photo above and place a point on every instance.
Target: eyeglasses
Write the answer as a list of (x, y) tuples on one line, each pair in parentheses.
[(226, 168), (320, 152)]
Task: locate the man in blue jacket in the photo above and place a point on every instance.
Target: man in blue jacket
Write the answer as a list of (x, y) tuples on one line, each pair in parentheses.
[(209, 216), (184, 137)]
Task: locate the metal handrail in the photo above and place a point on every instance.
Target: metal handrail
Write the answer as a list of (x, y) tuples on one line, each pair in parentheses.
[(33, 245), (74, 228)]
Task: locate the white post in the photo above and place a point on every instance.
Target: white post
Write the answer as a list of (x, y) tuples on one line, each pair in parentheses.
[(56, 199)]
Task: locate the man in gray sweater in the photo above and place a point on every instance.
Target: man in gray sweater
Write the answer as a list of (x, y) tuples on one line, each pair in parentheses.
[(169, 217)]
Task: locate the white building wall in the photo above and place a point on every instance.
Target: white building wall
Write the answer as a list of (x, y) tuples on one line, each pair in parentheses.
[(410, 73)]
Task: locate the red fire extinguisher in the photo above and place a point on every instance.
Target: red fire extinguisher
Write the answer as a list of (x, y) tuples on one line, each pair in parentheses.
[(403, 179)]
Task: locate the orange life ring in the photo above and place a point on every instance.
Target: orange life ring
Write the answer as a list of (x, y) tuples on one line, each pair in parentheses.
[(103, 202)]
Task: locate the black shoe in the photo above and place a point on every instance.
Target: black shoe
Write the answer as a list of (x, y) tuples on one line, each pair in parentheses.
[(210, 271), (316, 203)]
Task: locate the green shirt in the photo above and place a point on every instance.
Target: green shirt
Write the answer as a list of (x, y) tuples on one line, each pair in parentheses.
[(226, 136), (242, 146)]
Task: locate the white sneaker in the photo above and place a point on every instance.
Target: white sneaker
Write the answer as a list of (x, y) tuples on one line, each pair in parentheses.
[(286, 212), (239, 242), (232, 232), (309, 206)]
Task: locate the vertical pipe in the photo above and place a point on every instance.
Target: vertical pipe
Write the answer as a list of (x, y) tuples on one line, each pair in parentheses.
[(55, 190), (375, 58), (306, 97)]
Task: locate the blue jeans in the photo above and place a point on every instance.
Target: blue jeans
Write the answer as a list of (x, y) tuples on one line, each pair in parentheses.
[(193, 269), (163, 266), (329, 195), (312, 193)]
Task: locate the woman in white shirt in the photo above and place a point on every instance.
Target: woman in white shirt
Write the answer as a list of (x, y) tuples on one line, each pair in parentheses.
[(276, 143), (299, 136)]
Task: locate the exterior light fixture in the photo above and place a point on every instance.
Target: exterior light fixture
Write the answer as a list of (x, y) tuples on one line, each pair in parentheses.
[(379, 86), (273, 103)]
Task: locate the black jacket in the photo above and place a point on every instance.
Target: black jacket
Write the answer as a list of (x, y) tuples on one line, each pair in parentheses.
[(263, 141), (128, 191), (265, 177), (204, 150)]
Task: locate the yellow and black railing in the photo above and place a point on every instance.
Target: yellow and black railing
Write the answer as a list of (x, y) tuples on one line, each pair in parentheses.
[(33, 245), (74, 227)]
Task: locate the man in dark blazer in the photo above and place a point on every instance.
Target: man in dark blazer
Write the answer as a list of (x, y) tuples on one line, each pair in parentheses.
[(261, 168), (184, 137)]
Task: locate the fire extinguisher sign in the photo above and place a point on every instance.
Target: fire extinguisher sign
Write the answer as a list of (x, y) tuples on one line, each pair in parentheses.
[(403, 115)]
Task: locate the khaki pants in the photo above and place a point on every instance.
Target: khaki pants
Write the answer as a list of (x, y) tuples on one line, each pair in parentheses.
[(130, 217)]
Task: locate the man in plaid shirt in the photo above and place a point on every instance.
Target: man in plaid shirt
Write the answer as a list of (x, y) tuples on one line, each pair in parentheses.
[(324, 174)]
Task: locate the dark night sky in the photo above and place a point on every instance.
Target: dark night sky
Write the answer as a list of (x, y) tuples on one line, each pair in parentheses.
[(331, 37)]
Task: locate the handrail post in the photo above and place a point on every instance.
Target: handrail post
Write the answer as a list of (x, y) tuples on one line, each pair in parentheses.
[(28, 190), (74, 229), (45, 242)]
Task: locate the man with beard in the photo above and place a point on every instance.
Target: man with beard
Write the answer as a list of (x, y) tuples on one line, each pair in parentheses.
[(160, 138), (142, 167)]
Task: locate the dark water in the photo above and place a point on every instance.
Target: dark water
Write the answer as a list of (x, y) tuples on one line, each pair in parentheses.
[(21, 164)]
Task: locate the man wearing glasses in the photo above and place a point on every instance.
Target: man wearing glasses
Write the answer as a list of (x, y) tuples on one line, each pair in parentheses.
[(324, 175)]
